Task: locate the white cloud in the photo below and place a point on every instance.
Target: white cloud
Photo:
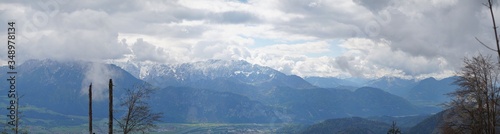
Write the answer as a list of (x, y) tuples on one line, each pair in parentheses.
[(98, 74), (413, 38), (144, 51), (364, 55), (299, 49)]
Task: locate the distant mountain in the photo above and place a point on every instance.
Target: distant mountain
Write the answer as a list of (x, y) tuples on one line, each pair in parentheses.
[(53, 95), (432, 92), (353, 125), (52, 90), (190, 105), (205, 73), (234, 76), (319, 104), (375, 100), (211, 91), (281, 91), (333, 82), (57, 85), (427, 92), (393, 85)]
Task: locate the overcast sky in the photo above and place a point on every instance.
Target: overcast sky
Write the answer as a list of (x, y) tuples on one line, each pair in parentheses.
[(342, 38)]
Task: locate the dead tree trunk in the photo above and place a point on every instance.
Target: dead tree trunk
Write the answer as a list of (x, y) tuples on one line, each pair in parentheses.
[(90, 108), (110, 106), (490, 6)]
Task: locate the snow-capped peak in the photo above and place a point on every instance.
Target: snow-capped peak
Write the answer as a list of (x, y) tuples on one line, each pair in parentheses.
[(238, 71)]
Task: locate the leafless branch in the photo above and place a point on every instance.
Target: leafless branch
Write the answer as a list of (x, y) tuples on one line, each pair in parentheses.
[(480, 42), (139, 116)]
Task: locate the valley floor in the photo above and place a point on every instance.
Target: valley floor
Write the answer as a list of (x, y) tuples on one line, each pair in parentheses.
[(168, 128)]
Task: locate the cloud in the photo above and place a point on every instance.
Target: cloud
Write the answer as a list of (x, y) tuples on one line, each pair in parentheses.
[(236, 17), (326, 19), (364, 55), (423, 31), (301, 49), (98, 74), (296, 58), (66, 36), (144, 51), (374, 5), (360, 38)]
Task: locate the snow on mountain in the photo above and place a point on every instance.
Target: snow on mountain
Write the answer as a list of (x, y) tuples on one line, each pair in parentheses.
[(226, 92), (237, 71)]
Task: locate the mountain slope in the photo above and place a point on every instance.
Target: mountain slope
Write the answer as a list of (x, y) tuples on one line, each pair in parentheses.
[(393, 85), (53, 92), (205, 73), (431, 91), (427, 92), (190, 105), (318, 104), (353, 125), (239, 77), (332, 82), (377, 101), (432, 124), (58, 85), (204, 95)]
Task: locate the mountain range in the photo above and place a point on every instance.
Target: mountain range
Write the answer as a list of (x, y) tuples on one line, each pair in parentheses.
[(201, 92), (426, 92)]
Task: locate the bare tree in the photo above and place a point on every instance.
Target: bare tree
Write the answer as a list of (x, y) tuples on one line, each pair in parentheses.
[(475, 102), (474, 106), (138, 116)]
